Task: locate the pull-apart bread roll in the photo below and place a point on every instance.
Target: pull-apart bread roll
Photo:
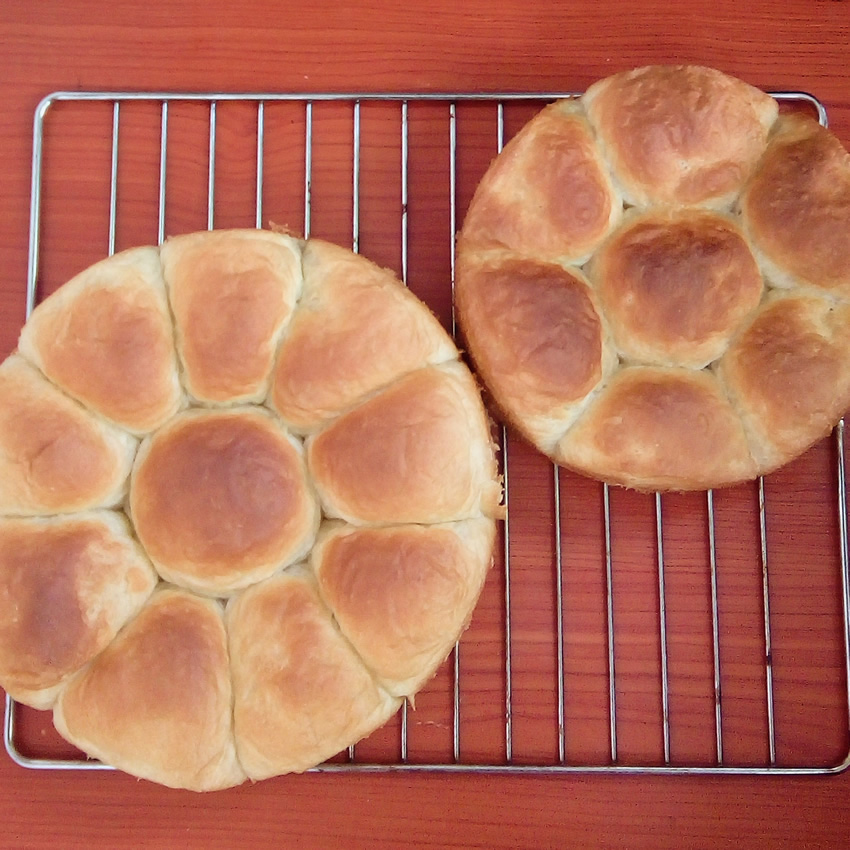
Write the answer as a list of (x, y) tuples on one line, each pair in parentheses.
[(157, 702), (607, 358), (106, 339), (221, 500), (232, 292), (301, 693), (296, 380), (356, 330), (55, 456), (67, 585), (403, 595)]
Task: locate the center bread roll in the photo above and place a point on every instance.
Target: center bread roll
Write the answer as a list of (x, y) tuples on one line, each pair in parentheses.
[(221, 499)]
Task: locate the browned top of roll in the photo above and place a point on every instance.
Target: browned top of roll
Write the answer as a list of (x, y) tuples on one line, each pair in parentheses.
[(66, 586), (548, 193), (535, 333), (675, 286), (220, 499), (301, 694), (419, 451), (157, 701), (232, 292), (356, 329), (105, 337), (55, 457), (403, 595), (679, 134), (656, 429), (789, 374), (797, 207)]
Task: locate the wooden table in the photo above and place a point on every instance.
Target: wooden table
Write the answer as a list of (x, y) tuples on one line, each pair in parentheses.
[(491, 46)]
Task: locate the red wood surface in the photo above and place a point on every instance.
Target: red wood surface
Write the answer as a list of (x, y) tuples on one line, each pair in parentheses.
[(477, 47)]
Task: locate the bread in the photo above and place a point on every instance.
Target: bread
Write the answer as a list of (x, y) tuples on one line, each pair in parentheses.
[(296, 381), (356, 331), (55, 456), (106, 339), (301, 693), (663, 357), (232, 293), (67, 585), (418, 451), (401, 595), (157, 701)]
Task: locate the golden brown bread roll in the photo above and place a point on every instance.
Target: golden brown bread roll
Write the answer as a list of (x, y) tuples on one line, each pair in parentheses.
[(67, 585), (419, 451), (797, 205), (611, 368), (403, 595), (654, 428), (548, 193), (220, 499), (105, 337), (301, 694), (537, 337), (674, 287), (157, 702), (55, 457), (788, 374), (232, 292), (356, 330), (679, 134)]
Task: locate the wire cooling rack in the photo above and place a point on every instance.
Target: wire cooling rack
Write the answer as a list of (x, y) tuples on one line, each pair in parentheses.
[(618, 632)]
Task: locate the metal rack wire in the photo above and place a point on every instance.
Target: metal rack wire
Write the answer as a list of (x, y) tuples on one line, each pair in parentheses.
[(613, 763)]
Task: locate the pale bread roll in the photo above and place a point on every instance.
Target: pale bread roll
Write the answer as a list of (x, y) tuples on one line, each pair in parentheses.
[(537, 337), (55, 457), (105, 337), (657, 429), (403, 595), (301, 694), (232, 293), (220, 499), (356, 330), (418, 451), (67, 585), (681, 134), (157, 702), (548, 194), (797, 206), (788, 374)]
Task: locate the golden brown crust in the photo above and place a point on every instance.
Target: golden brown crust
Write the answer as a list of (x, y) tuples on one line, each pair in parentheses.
[(67, 585), (356, 329), (301, 694), (105, 337), (55, 457), (403, 595), (157, 701), (232, 293), (548, 194), (679, 134), (419, 451), (675, 286), (657, 429), (220, 499), (797, 207), (788, 374), (536, 335)]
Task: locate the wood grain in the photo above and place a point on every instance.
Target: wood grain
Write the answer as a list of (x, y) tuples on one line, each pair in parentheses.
[(433, 46)]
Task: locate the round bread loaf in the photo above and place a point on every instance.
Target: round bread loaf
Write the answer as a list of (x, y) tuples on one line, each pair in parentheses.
[(285, 392), (638, 332)]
